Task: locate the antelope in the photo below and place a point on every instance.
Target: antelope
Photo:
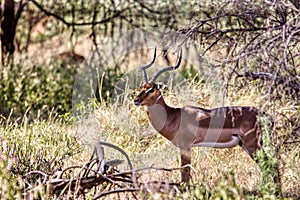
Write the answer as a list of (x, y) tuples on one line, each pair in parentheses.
[(189, 126)]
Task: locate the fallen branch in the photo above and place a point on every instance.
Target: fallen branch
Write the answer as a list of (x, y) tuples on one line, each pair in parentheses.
[(54, 185), (95, 174)]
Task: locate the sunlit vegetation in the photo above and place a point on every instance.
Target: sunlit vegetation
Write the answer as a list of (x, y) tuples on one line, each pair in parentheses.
[(247, 53)]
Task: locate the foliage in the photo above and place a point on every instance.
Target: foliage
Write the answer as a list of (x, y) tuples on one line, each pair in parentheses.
[(38, 89), (267, 159)]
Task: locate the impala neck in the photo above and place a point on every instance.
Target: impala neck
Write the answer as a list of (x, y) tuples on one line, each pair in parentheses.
[(159, 103), (162, 117)]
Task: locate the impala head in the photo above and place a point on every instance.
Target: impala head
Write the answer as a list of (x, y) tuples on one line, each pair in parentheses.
[(150, 91)]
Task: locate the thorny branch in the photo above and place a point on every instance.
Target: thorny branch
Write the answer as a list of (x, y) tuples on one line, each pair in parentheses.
[(261, 41)]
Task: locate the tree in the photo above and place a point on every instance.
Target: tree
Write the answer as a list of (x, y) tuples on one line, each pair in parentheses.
[(94, 16), (10, 14), (258, 41)]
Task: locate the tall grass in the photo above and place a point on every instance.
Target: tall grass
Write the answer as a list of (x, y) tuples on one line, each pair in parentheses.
[(44, 145), (59, 141), (268, 161)]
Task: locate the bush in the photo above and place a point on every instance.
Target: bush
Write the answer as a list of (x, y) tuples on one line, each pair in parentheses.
[(38, 89), (267, 161)]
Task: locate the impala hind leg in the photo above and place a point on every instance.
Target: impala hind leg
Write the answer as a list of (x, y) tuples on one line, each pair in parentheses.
[(252, 140), (185, 160)]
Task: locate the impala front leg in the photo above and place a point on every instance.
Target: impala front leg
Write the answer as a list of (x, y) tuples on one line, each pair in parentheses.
[(185, 160)]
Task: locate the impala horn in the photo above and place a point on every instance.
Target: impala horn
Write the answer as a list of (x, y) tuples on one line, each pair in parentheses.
[(143, 68), (168, 68)]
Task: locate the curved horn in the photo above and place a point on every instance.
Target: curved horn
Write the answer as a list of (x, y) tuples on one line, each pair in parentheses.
[(169, 68), (143, 68)]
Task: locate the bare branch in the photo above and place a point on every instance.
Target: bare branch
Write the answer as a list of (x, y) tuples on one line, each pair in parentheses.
[(116, 14)]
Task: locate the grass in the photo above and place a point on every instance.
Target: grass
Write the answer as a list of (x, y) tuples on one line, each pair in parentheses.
[(61, 141), (219, 173)]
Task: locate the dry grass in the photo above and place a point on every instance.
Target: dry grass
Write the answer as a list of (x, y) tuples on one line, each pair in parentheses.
[(216, 172), (128, 127)]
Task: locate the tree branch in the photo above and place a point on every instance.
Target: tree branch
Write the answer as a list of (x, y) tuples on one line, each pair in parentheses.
[(93, 22)]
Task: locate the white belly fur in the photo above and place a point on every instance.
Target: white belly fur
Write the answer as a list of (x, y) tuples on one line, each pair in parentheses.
[(233, 142)]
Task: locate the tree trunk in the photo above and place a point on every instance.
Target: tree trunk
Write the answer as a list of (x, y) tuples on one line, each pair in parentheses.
[(8, 29)]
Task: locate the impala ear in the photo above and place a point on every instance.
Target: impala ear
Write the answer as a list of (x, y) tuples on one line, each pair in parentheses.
[(161, 86)]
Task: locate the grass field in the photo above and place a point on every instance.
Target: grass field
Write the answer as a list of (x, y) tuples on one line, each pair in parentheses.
[(62, 140)]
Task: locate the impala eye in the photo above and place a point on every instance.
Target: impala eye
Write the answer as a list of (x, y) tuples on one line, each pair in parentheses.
[(150, 90)]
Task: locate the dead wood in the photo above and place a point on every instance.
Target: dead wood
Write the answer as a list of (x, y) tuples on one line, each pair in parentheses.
[(97, 174)]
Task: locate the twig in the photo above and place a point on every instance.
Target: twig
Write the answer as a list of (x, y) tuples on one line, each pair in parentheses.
[(154, 168), (37, 172), (292, 142), (85, 183)]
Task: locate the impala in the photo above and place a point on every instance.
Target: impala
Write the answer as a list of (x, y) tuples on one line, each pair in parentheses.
[(190, 126)]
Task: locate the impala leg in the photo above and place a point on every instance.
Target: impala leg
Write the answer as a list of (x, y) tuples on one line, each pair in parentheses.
[(251, 140), (185, 160)]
